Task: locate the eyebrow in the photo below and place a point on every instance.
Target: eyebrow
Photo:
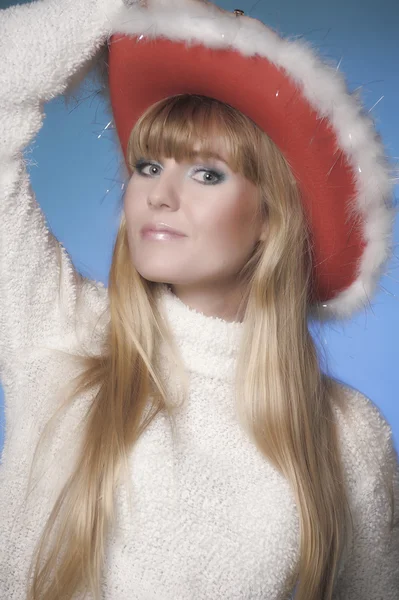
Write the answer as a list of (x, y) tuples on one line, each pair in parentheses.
[(201, 154)]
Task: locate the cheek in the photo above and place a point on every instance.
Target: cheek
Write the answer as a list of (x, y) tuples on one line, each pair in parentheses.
[(234, 221), (133, 204), (131, 192)]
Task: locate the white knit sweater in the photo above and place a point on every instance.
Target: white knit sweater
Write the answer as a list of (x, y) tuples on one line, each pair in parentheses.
[(209, 517)]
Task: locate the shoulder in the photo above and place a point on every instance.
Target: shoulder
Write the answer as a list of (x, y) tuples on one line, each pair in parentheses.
[(365, 435), (369, 563)]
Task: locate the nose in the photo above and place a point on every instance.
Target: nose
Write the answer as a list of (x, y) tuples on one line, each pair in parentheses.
[(163, 192)]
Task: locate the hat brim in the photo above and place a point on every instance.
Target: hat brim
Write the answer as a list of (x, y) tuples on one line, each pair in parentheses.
[(144, 69)]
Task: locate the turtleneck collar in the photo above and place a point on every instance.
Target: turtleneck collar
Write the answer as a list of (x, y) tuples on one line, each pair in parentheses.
[(208, 345)]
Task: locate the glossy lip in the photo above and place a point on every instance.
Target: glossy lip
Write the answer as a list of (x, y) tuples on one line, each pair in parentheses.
[(161, 236), (160, 227)]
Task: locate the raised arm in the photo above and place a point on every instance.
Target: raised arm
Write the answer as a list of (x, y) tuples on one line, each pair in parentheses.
[(42, 45)]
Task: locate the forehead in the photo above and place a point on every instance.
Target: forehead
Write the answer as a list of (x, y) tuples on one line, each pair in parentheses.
[(212, 147)]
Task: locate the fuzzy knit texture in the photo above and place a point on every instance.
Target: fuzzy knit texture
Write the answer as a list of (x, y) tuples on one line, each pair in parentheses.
[(208, 517)]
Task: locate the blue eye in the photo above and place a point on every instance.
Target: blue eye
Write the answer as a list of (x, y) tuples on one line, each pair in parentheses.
[(213, 177), (142, 164), (149, 169)]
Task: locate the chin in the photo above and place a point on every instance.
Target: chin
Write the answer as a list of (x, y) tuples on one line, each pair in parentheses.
[(159, 276)]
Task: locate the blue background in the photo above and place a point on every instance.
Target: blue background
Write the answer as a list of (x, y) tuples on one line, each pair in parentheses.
[(74, 172)]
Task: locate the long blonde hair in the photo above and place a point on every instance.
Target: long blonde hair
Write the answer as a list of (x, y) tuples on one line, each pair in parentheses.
[(285, 403)]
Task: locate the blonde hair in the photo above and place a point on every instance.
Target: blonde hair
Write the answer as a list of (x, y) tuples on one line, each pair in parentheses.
[(285, 403)]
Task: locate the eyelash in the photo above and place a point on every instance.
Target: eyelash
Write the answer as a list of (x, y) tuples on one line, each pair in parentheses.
[(139, 166)]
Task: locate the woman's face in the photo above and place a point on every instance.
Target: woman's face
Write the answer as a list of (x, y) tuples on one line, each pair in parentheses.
[(210, 204)]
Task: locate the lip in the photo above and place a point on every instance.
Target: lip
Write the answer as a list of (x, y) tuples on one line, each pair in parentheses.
[(150, 229), (161, 236)]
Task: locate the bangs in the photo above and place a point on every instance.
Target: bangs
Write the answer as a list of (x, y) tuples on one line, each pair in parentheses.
[(185, 126)]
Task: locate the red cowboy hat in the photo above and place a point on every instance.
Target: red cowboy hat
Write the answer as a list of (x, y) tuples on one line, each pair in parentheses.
[(301, 102)]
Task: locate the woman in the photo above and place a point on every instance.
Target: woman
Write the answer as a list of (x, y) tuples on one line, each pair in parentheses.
[(201, 453)]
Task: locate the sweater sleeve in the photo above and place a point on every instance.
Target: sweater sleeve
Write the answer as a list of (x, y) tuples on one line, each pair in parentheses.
[(42, 45), (372, 567)]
